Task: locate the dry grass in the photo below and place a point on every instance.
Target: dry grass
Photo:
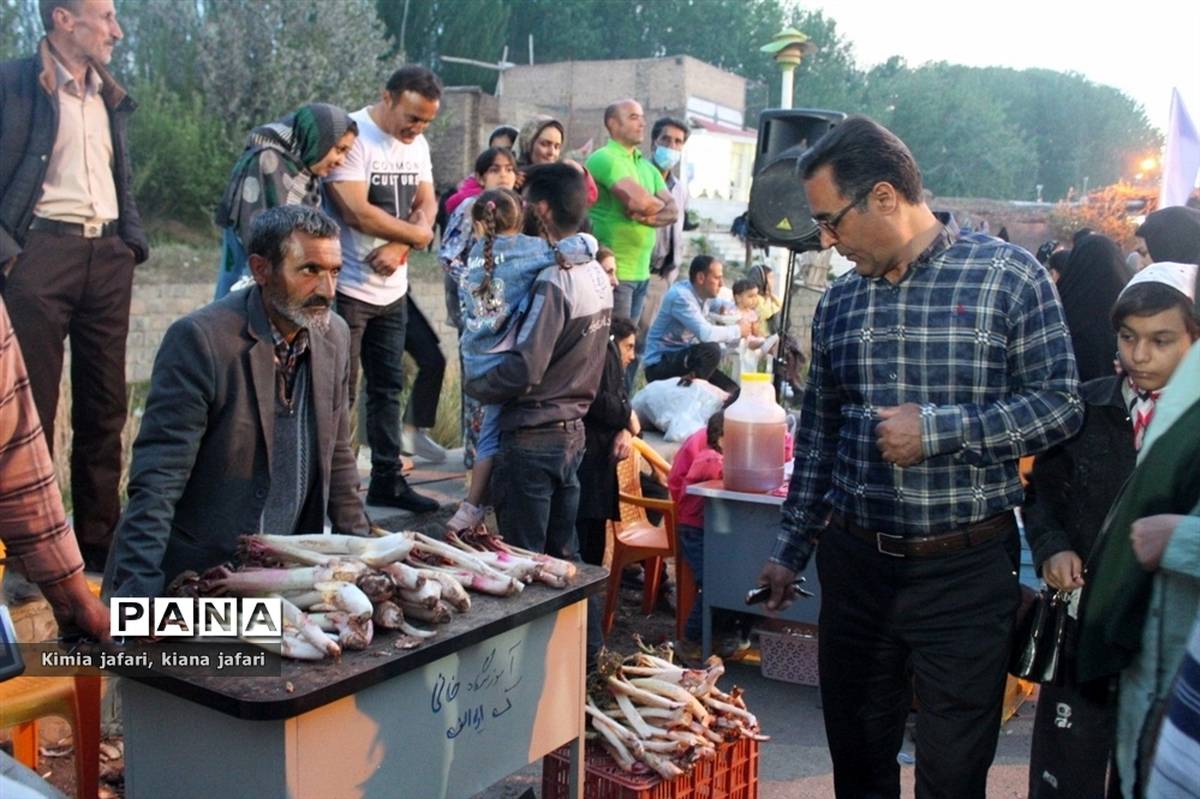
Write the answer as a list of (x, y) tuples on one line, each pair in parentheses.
[(135, 400), (447, 431)]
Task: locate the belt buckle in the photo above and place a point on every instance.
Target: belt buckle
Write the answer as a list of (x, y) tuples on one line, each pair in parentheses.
[(879, 537), (92, 230)]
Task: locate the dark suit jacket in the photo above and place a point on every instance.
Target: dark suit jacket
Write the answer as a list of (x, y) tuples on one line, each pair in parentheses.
[(201, 473), (28, 127)]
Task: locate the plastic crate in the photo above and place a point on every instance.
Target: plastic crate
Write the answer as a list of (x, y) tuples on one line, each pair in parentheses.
[(790, 654), (732, 774)]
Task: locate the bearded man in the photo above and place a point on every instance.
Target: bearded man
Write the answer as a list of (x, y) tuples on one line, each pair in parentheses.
[(246, 427)]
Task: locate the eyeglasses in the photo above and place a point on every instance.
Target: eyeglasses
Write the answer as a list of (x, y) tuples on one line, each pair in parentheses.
[(829, 224)]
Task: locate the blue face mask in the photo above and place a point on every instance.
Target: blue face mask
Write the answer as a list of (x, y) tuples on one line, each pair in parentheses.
[(665, 158)]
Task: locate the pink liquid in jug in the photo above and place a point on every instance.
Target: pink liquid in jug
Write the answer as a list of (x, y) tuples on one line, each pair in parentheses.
[(754, 455)]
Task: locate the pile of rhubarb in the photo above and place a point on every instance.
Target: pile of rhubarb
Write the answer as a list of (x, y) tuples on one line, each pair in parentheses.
[(337, 589), (651, 714)]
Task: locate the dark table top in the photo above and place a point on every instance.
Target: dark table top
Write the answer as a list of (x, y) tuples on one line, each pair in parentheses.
[(317, 683)]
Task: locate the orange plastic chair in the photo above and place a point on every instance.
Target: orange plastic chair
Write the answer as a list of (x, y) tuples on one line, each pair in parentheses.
[(635, 540), (24, 700)]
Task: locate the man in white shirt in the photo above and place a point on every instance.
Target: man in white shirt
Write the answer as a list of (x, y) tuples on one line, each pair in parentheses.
[(383, 196), (70, 235)]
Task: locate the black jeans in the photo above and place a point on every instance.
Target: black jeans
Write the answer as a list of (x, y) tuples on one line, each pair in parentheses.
[(71, 286), (699, 360), (421, 342), (945, 621), (535, 486), (377, 332)]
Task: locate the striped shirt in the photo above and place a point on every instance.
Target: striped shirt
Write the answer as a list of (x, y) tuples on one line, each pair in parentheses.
[(33, 525), (974, 334), (1176, 770)]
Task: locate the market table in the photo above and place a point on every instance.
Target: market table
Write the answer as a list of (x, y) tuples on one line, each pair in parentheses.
[(498, 688), (739, 535)]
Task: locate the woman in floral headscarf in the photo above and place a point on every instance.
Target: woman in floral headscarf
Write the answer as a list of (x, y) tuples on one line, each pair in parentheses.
[(283, 164), (541, 142)]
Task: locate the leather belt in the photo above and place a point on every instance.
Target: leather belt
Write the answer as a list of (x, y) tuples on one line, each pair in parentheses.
[(561, 424), (87, 230), (931, 546)]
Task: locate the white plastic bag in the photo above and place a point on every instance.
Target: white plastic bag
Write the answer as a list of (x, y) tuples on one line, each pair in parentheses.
[(678, 411)]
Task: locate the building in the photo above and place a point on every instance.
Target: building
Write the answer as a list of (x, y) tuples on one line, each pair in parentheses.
[(718, 159)]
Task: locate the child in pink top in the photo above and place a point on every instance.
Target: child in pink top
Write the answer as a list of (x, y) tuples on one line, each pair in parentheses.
[(698, 460)]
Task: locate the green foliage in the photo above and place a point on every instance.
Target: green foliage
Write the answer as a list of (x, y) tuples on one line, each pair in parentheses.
[(181, 156), (20, 28), (464, 28), (259, 59), (998, 132), (961, 137)]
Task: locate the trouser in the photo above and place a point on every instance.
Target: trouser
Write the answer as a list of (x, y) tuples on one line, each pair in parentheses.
[(593, 535), (536, 487), (421, 342), (628, 297), (699, 360), (377, 334), (941, 625), (691, 544), (63, 286)]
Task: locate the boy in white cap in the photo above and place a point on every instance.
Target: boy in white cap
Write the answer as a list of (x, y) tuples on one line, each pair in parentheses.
[(1071, 488)]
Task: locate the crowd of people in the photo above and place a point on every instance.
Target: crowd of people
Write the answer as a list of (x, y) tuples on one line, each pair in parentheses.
[(940, 362)]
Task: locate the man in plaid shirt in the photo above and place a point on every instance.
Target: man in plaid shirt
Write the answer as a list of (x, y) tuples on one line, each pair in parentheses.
[(938, 363), (33, 525)]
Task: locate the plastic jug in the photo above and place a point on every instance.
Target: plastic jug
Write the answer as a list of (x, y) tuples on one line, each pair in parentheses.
[(755, 437)]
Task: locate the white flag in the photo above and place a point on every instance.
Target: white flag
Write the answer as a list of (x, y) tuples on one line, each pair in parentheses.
[(1181, 161)]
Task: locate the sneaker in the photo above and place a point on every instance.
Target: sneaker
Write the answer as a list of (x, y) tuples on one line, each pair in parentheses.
[(393, 491), (417, 442), (467, 517)]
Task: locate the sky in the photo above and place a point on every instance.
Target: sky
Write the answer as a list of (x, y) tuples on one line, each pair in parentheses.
[(1142, 48)]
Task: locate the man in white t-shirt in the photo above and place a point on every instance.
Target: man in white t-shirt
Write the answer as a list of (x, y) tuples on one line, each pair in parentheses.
[(383, 196)]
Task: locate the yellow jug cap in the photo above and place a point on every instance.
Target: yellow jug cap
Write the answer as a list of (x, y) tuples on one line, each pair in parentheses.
[(756, 377)]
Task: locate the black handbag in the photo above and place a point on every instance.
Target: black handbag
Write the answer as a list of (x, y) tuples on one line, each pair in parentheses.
[(1039, 638)]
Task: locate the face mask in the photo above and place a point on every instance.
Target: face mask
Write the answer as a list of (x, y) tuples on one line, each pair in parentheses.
[(665, 158)]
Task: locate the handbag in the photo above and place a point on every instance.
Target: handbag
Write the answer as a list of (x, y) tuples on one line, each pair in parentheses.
[(1039, 637)]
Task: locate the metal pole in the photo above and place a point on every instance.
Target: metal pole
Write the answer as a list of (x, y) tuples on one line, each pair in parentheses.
[(787, 88), (785, 313)]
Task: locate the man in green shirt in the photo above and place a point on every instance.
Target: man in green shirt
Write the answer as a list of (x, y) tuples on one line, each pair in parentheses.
[(633, 201)]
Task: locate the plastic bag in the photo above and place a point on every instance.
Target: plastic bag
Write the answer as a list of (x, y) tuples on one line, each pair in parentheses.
[(678, 410)]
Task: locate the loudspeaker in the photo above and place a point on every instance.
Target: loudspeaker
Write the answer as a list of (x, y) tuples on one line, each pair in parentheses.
[(779, 213)]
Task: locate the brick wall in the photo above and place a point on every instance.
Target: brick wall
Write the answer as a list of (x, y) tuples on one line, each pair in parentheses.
[(156, 305)]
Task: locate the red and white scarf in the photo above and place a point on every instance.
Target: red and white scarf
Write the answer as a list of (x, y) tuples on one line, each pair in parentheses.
[(1141, 411)]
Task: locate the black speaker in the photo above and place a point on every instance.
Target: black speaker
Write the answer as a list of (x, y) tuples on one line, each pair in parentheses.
[(779, 213)]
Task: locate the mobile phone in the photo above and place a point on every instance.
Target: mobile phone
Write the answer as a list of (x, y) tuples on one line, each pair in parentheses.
[(763, 592)]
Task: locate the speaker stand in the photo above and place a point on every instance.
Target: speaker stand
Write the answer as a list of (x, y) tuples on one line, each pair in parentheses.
[(785, 313)]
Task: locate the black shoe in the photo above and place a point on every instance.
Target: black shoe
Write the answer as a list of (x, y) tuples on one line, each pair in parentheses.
[(393, 491)]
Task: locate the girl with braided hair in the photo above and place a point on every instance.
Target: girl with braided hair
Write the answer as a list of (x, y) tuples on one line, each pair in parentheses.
[(495, 289)]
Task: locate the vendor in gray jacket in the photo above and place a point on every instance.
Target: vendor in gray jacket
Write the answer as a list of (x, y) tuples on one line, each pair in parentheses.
[(246, 427)]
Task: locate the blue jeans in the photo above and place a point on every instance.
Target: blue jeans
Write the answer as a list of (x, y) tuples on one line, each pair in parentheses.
[(691, 546), (489, 433), (628, 298), (377, 333), (535, 487)]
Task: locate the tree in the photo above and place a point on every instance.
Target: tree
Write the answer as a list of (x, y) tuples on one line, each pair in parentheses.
[(958, 134), (288, 52), (421, 31), (20, 28), (1105, 211)]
